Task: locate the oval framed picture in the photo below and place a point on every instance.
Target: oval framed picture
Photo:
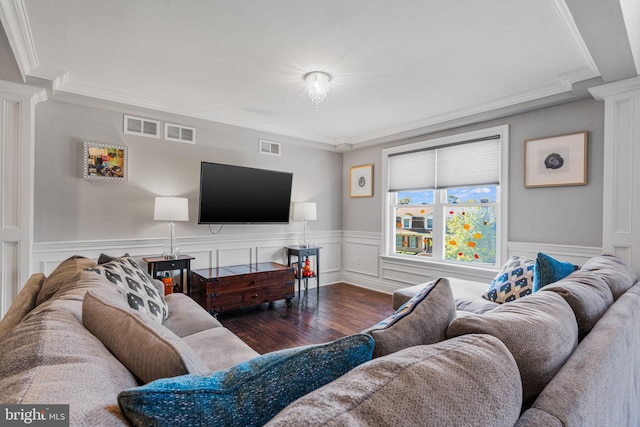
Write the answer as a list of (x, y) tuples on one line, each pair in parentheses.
[(361, 181)]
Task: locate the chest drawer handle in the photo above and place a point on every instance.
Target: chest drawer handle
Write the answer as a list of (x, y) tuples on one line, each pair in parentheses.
[(254, 296)]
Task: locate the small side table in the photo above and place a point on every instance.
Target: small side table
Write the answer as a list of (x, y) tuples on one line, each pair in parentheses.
[(302, 254), (183, 263)]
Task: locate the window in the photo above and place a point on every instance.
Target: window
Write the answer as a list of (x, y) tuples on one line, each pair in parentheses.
[(446, 198)]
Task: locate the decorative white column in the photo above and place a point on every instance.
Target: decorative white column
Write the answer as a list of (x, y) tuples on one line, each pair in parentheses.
[(17, 123), (621, 201)]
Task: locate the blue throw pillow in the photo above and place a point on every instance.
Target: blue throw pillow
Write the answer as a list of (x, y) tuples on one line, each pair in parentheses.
[(549, 270), (248, 394), (515, 280)]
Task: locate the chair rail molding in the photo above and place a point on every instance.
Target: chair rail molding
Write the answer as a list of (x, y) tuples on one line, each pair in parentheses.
[(347, 256)]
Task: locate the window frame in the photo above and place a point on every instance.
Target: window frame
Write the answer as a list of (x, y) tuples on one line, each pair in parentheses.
[(389, 239)]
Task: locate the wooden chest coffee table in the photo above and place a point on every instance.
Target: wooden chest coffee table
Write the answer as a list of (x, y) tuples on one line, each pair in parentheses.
[(237, 286)]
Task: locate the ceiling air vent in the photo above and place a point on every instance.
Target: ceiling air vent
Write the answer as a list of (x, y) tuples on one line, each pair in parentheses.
[(269, 147), (179, 133), (143, 127)]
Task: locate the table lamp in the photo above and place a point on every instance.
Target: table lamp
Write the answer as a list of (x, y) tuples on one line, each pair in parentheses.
[(304, 211), (171, 209)]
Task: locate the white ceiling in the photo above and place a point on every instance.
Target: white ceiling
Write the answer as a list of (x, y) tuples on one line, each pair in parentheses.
[(397, 66)]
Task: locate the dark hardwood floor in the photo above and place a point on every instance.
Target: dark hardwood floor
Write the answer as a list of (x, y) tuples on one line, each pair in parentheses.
[(340, 310)]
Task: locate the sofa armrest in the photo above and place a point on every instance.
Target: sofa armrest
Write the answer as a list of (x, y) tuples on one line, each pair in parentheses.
[(187, 317), (24, 302)]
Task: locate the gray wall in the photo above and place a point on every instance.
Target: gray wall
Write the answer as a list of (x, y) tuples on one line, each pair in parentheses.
[(69, 208), (557, 215)]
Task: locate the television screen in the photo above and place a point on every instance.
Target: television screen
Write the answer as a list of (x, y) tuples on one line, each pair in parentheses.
[(241, 195)]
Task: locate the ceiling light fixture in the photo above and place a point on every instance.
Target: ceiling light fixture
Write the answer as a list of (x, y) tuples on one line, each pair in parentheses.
[(317, 85)]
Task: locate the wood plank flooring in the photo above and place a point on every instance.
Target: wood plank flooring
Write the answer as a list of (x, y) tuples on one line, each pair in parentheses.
[(340, 310)]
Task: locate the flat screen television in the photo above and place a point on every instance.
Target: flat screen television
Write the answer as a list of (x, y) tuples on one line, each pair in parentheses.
[(241, 195)]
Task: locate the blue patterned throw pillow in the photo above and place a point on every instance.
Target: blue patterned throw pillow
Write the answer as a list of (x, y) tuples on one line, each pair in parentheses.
[(248, 394), (514, 281), (549, 270)]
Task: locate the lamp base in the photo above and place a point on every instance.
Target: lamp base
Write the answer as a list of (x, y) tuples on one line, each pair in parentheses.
[(170, 256), (305, 242)]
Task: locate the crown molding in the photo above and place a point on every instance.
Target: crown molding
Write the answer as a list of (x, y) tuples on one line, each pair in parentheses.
[(81, 89), (510, 101), (612, 89), (13, 15), (70, 91), (49, 78), (570, 23), (570, 78), (36, 94)]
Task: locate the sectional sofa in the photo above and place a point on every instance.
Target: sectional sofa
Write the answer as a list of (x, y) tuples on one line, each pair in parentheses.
[(566, 355)]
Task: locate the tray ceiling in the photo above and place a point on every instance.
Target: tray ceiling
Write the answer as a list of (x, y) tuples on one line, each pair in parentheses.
[(397, 67)]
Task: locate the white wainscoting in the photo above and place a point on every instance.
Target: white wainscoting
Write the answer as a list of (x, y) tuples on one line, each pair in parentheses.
[(208, 251), (577, 255), (351, 257), (386, 274)]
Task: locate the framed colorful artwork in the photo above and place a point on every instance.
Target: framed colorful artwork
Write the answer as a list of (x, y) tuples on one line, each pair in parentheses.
[(556, 161), (362, 181), (104, 161)]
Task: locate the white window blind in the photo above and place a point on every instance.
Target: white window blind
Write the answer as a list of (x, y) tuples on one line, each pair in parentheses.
[(456, 165), (412, 171)]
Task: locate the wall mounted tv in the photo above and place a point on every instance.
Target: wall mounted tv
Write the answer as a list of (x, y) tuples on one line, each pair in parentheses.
[(241, 195)]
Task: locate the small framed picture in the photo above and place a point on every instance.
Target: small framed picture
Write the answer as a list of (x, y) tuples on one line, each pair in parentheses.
[(362, 181), (556, 161), (104, 161)]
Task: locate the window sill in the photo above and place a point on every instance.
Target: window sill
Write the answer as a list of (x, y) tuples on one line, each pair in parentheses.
[(444, 267)]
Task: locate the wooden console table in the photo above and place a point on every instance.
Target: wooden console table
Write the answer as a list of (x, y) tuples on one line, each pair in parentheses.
[(237, 286)]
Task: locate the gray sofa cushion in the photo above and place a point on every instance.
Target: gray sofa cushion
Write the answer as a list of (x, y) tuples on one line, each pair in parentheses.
[(25, 302), (65, 270), (471, 381), (47, 356), (467, 295), (540, 331), (615, 272), (186, 317), (145, 347), (598, 386), (421, 320), (219, 348), (587, 294), (401, 296)]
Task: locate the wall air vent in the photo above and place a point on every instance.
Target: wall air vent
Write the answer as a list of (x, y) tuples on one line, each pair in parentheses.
[(179, 133), (143, 127), (269, 147)]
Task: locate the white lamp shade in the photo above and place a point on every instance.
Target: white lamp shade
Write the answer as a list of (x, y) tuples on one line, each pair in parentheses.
[(171, 209), (305, 211)]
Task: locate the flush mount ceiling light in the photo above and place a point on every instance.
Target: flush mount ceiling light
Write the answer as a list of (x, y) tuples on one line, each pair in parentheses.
[(317, 85)]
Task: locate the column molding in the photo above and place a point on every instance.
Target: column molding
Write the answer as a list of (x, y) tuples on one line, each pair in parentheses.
[(621, 204)]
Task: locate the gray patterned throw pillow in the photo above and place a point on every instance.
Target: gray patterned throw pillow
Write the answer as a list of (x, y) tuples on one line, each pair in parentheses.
[(135, 286)]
